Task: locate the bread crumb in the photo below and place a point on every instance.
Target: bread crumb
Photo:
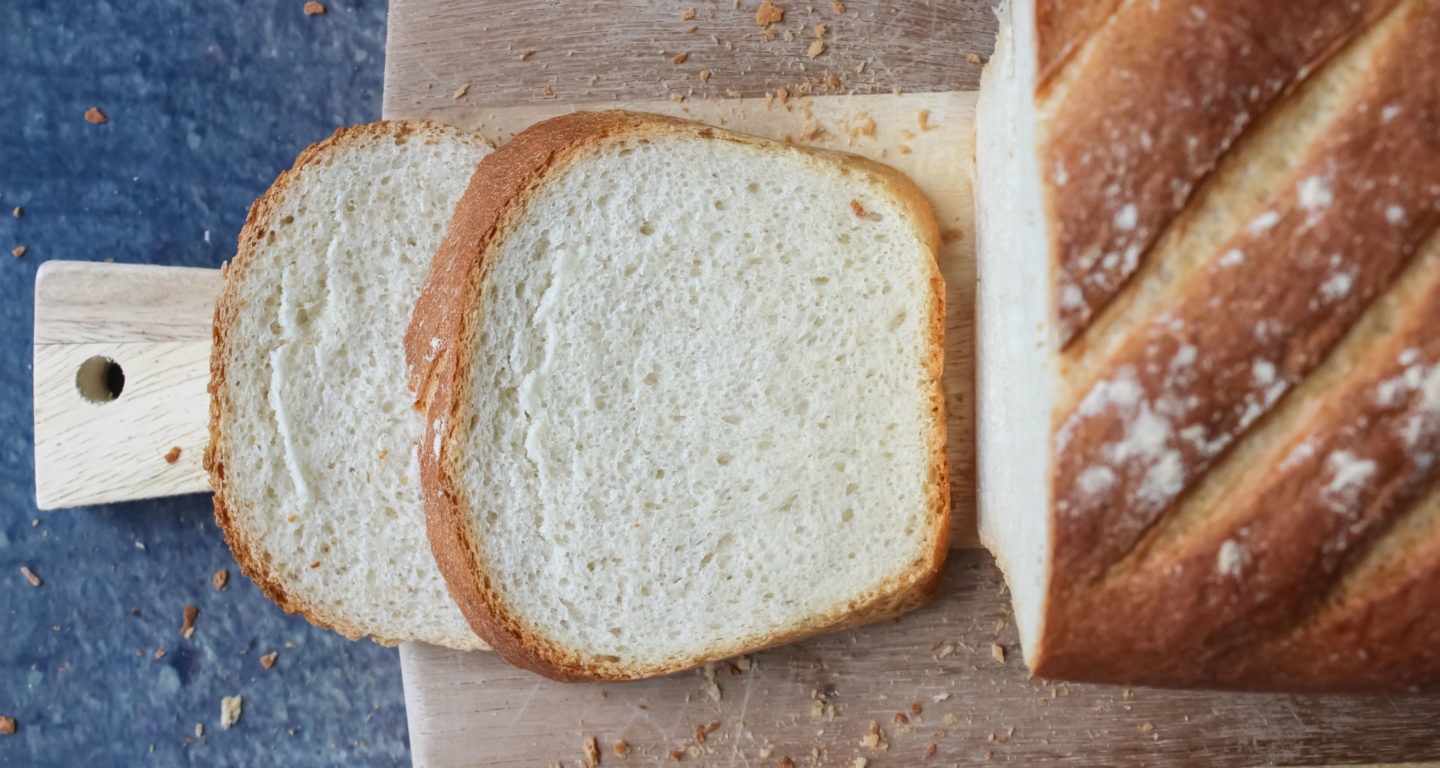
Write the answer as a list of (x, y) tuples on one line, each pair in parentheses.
[(816, 48), (915, 708), (172, 455), (461, 91), (187, 628), (675, 97), (30, 576), (268, 660), (17, 251), (940, 697), (769, 13), (1128, 694), (1147, 726), (679, 58), (704, 75), (700, 733), (693, 28), (709, 687), (949, 719), (592, 752), (7, 725), (875, 739), (782, 94), (621, 748), (786, 762), (230, 707), (973, 58), (840, 8), (92, 115), (220, 579), (767, 750), (998, 652), (160, 654), (199, 730), (860, 67), (676, 754), (922, 118), (929, 751), (313, 8), (688, 14), (18, 212), (820, 30)]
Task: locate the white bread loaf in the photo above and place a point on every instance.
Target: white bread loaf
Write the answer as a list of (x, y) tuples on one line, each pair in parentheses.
[(312, 454), (1209, 372), (682, 390)]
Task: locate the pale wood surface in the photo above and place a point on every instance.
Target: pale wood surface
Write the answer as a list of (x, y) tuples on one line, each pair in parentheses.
[(474, 710), (155, 323)]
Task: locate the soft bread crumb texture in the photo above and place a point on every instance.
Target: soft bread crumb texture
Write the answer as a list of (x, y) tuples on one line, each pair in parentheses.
[(700, 408), (318, 430)]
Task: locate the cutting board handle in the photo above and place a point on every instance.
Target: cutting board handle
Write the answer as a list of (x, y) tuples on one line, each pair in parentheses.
[(122, 359)]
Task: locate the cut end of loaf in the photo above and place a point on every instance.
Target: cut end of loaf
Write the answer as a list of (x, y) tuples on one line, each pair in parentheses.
[(695, 409)]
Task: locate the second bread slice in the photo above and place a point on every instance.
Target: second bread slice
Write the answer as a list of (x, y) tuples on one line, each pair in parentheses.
[(682, 390)]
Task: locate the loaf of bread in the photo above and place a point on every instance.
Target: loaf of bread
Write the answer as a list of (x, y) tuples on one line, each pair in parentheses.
[(312, 452), (1209, 340), (682, 392)]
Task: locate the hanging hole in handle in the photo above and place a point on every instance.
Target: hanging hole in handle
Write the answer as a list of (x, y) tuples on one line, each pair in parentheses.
[(100, 380)]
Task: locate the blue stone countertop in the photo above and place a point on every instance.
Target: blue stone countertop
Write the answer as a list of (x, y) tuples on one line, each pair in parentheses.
[(206, 102)]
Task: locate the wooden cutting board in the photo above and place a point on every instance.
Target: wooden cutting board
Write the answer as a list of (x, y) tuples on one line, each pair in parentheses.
[(499, 65)]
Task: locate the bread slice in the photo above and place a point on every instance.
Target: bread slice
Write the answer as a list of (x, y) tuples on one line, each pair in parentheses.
[(682, 390), (312, 452), (1209, 377)]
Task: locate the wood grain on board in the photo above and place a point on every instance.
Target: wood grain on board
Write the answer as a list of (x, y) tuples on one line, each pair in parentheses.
[(814, 702), (154, 324)]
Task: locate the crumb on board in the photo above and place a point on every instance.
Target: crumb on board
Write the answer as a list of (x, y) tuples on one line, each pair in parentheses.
[(769, 13), (461, 91), (230, 707), (704, 75), (973, 58), (676, 754), (268, 660), (679, 58), (840, 8), (915, 708), (858, 209), (875, 739), (998, 652), (940, 697), (782, 94), (930, 751), (1147, 726), (786, 762), (526, 55), (7, 725), (30, 576), (816, 48), (820, 30), (922, 118), (160, 654), (92, 115), (172, 455), (592, 752), (688, 14), (17, 251), (187, 628), (621, 748), (220, 579), (18, 212), (313, 8)]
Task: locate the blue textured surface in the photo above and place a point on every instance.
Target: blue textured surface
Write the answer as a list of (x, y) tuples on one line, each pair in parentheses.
[(206, 102)]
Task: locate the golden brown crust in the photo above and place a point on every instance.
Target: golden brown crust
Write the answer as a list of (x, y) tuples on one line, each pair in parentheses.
[(252, 561), (1134, 127), (439, 340), (1062, 27), (1259, 589)]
